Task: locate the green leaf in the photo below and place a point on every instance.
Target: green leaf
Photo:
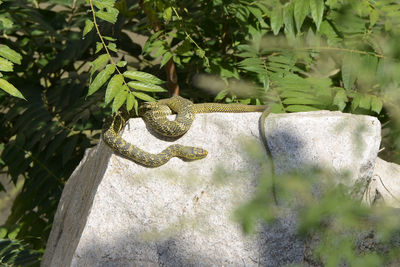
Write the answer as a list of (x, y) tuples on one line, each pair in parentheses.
[(304, 101), (376, 104), (200, 52), (143, 96), (108, 38), (300, 108), (100, 4), (9, 88), (317, 10), (167, 56), (130, 100), (88, 27), (142, 76), (10, 54), (340, 99), (112, 47), (349, 71), (121, 64), (120, 98), (147, 87), (373, 17), (99, 63), (301, 9), (101, 78), (167, 14), (110, 15), (365, 101), (276, 19), (6, 22), (5, 65), (221, 95), (256, 12), (288, 20), (355, 102), (113, 87), (99, 46), (3, 232)]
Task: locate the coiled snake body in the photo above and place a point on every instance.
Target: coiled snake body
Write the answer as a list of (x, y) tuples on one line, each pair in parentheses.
[(155, 115)]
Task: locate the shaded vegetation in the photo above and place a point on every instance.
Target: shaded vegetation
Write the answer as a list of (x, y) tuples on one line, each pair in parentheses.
[(293, 55)]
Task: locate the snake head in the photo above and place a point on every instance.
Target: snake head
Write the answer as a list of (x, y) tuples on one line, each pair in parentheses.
[(193, 153)]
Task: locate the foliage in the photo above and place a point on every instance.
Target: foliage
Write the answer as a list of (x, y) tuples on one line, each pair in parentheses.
[(294, 55), (14, 253), (8, 57)]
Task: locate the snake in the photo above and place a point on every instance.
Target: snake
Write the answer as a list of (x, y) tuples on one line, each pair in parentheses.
[(155, 115)]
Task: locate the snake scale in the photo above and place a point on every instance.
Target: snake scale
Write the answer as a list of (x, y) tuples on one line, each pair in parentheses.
[(155, 115)]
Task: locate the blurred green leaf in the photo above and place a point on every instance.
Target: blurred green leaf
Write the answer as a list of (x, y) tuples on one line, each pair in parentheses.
[(317, 10), (376, 104), (276, 19), (301, 10)]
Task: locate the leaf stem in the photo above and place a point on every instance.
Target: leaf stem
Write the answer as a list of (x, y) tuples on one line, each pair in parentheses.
[(102, 40)]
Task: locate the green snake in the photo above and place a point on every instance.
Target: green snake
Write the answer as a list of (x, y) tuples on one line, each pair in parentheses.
[(155, 115)]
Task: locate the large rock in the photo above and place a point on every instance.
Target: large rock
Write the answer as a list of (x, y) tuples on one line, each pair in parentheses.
[(114, 212), (385, 184)]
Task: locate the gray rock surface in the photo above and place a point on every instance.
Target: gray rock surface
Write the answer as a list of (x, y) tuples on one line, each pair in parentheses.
[(385, 184), (343, 144), (114, 212)]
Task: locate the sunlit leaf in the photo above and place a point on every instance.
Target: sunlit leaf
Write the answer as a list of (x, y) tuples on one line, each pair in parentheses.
[(10, 54), (130, 100), (166, 57), (99, 62), (113, 87), (143, 96), (99, 46), (108, 38), (88, 27), (110, 15), (167, 14), (147, 87), (142, 76), (121, 64), (112, 47), (5, 65), (9, 88), (101, 78), (120, 98)]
